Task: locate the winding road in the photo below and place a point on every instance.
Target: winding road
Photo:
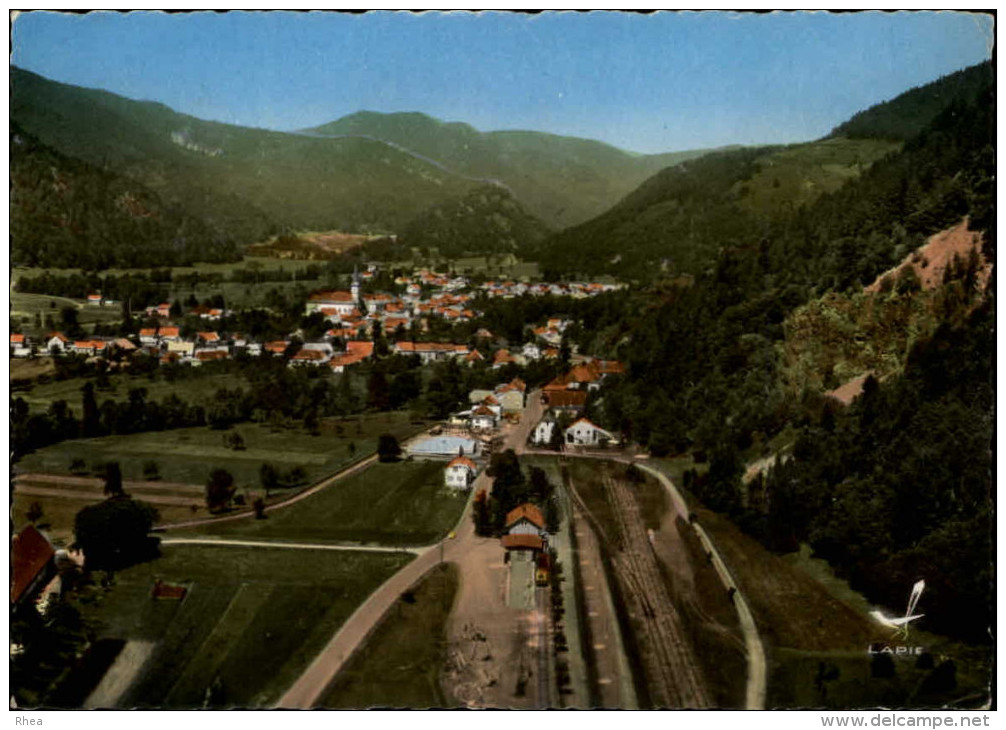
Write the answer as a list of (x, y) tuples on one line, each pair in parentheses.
[(306, 691)]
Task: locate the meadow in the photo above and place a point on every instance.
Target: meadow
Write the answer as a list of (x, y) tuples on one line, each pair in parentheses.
[(401, 663), (401, 503), (251, 622), (185, 457)]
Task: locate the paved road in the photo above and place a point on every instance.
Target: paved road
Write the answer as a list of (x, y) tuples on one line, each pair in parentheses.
[(292, 545), (306, 692)]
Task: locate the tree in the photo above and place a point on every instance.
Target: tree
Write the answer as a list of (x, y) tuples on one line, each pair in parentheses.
[(151, 472), (259, 506), (219, 490), (269, 477), (378, 396), (113, 479), (114, 534), (34, 513), (480, 514), (388, 448), (90, 423)]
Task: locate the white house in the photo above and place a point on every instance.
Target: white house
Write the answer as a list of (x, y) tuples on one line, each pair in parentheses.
[(531, 351), (460, 473), (57, 343), (584, 433), (483, 419), (542, 434)]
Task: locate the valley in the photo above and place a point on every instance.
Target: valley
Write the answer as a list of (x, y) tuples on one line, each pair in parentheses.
[(393, 412)]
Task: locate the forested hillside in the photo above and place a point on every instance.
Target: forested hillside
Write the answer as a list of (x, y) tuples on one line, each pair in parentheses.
[(488, 220), (911, 112), (705, 359), (68, 213)]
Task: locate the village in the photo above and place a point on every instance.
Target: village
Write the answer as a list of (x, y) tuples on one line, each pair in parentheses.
[(357, 318)]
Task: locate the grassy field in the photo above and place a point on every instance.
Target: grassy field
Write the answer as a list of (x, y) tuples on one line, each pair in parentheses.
[(192, 390), (252, 620), (400, 664), (405, 503), (24, 307), (186, 456)]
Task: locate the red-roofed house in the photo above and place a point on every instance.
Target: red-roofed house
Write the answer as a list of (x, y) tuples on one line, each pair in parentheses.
[(460, 473), (501, 358), (339, 303), (169, 333), (19, 345), (483, 419), (57, 342), (208, 337), (277, 347), (360, 348), (94, 300), (33, 565), (525, 520)]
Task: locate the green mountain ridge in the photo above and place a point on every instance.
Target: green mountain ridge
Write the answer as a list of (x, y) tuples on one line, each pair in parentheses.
[(562, 180), (679, 220)]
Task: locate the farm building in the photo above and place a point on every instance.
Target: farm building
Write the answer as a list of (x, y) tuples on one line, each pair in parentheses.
[(584, 433), (444, 447), (460, 472)]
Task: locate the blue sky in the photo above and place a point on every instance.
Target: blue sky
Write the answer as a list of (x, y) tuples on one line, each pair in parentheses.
[(648, 83)]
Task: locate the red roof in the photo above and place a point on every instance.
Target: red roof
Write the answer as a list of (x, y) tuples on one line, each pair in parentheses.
[(168, 332), (522, 542), (566, 398), (309, 355), (360, 348), (208, 336), (32, 552), (331, 296), (462, 461), (16, 339), (148, 332), (204, 355), (278, 346), (483, 411), (528, 511)]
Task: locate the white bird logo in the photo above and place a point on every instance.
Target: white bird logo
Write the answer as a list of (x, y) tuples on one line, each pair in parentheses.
[(900, 625)]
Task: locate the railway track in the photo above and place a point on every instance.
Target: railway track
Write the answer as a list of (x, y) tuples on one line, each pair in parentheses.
[(674, 679)]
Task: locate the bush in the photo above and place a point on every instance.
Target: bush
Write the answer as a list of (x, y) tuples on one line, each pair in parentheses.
[(388, 448)]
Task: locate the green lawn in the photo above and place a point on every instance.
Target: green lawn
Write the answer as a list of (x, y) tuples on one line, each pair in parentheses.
[(400, 664), (254, 618), (188, 455), (198, 389), (405, 503)]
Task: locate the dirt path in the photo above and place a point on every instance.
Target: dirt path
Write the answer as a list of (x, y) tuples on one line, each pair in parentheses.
[(94, 483), (757, 667), (99, 496), (120, 675), (275, 544), (614, 685)]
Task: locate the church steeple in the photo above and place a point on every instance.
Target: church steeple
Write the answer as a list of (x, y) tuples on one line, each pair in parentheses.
[(354, 289)]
